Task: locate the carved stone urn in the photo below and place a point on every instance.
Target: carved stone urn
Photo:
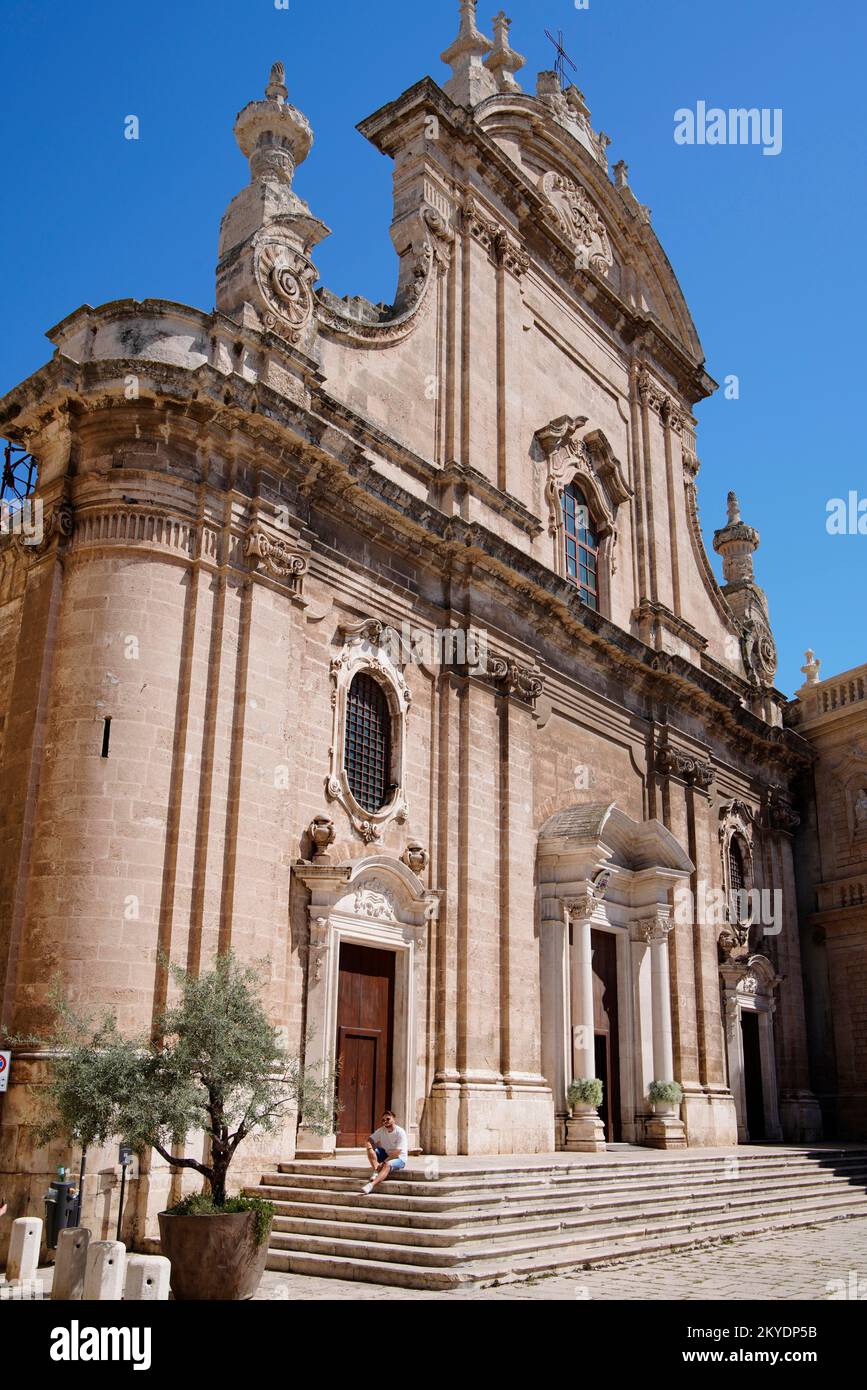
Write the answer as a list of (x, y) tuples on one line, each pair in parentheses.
[(322, 834), (416, 857)]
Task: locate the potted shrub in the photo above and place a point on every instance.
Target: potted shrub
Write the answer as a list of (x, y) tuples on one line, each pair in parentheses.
[(585, 1132), (214, 1066), (584, 1094), (665, 1097)]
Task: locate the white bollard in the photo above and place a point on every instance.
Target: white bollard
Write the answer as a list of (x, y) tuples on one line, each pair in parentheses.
[(70, 1263), (24, 1243), (104, 1271), (147, 1278)]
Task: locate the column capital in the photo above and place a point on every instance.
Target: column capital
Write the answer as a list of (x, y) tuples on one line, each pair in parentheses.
[(583, 905), (655, 928)]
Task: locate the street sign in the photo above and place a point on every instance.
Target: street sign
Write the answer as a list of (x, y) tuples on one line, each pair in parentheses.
[(5, 1068)]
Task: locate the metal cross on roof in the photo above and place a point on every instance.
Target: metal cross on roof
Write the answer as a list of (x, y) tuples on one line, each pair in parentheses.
[(562, 56)]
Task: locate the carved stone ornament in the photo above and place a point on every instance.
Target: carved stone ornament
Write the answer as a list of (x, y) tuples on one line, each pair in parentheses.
[(317, 947), (322, 834), (759, 647), (368, 646), (276, 557), (375, 900), (416, 857), (583, 906), (285, 277), (655, 928), (579, 218), (671, 762), (521, 682), (58, 526), (781, 813)]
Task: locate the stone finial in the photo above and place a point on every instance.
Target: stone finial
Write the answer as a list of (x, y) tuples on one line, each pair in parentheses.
[(621, 174), (470, 81), (503, 61), (736, 543), (273, 135), (811, 669), (264, 272), (276, 89)]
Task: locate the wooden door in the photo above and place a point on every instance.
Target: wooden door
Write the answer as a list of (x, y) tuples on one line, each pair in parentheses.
[(605, 1029), (365, 1041)]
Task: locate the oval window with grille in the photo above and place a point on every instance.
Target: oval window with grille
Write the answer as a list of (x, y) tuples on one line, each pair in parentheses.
[(367, 748)]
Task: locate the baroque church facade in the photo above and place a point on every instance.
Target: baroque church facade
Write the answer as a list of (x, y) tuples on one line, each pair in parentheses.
[(381, 642)]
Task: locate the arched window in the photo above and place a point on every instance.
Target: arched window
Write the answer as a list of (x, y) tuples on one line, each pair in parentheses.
[(582, 545), (737, 883), (736, 866), (367, 750)]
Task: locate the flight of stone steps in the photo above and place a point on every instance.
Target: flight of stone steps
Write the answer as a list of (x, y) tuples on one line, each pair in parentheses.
[(500, 1223)]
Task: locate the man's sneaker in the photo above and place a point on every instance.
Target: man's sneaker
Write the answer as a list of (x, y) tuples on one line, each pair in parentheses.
[(368, 1187)]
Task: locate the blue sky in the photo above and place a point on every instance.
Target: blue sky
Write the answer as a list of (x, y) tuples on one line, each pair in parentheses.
[(768, 250)]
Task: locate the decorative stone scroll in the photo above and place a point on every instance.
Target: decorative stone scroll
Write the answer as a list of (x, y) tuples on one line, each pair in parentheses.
[(521, 682), (277, 558), (671, 762), (285, 277), (579, 219)]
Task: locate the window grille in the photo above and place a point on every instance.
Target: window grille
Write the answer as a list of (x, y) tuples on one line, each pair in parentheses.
[(367, 751)]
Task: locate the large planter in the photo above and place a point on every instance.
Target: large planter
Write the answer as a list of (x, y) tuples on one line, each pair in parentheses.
[(214, 1258)]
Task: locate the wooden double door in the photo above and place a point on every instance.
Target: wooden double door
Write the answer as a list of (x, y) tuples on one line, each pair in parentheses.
[(606, 1030), (365, 1041)]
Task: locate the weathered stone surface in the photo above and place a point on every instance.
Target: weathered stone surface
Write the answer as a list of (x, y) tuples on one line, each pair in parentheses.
[(22, 1261), (70, 1263), (147, 1278), (104, 1271)]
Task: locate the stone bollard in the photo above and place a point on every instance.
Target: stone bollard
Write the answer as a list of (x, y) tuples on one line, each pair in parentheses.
[(147, 1278), (70, 1263), (24, 1243), (104, 1271)]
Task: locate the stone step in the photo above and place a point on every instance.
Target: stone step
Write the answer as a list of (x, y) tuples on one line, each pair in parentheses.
[(396, 1244), (492, 1270), (494, 1179), (397, 1194), (367, 1216), (581, 1167)]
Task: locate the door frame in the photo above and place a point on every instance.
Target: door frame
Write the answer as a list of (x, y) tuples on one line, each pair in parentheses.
[(749, 986), (380, 903)]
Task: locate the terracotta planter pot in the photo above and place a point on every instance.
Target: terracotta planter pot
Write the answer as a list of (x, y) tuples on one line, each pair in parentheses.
[(214, 1258)]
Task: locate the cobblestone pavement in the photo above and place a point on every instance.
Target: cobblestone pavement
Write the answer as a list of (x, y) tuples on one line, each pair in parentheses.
[(819, 1262)]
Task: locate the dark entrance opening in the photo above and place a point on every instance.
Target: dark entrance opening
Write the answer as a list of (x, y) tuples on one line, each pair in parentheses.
[(365, 1041), (605, 1030), (753, 1089)]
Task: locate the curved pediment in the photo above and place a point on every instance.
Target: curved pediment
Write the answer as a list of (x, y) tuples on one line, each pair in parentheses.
[(555, 150), (623, 842)]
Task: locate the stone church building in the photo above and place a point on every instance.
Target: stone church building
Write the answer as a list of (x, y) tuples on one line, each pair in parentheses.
[(381, 642)]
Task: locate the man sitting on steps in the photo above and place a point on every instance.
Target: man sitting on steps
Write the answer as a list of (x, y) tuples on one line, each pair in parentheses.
[(386, 1150)]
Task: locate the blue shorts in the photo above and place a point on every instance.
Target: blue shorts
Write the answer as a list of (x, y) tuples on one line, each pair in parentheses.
[(395, 1164)]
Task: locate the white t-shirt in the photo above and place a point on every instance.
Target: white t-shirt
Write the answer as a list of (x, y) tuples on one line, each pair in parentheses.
[(390, 1139)]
